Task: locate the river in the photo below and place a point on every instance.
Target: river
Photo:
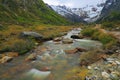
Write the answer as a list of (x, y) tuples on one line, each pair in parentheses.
[(50, 55)]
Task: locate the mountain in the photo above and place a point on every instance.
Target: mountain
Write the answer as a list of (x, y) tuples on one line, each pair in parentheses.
[(28, 12), (89, 13), (111, 10), (67, 12)]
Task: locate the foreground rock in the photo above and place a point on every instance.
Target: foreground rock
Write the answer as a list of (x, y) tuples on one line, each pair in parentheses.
[(6, 59), (67, 41), (32, 34), (31, 57)]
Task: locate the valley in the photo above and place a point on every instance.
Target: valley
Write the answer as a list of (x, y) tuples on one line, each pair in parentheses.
[(39, 41)]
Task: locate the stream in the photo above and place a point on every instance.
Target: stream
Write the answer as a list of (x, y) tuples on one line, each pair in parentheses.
[(50, 56)]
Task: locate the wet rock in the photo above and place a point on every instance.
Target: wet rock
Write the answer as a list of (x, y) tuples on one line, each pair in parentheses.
[(114, 75), (57, 39), (45, 69), (77, 36), (81, 49), (37, 74), (67, 41), (89, 67), (6, 59), (10, 54), (31, 57), (105, 75), (87, 78), (32, 34), (96, 68), (118, 63), (71, 51)]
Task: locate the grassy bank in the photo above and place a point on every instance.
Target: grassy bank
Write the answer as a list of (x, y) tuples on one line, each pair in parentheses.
[(10, 39), (101, 35)]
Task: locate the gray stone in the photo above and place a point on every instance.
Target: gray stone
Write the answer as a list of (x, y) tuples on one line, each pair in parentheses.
[(31, 34)]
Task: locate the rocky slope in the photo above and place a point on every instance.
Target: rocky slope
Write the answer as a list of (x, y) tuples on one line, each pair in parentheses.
[(110, 7), (89, 13), (28, 11), (68, 13)]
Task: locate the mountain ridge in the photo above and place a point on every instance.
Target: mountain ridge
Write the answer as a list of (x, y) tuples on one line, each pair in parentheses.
[(28, 12)]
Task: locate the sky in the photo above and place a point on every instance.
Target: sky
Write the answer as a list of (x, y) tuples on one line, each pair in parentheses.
[(73, 3)]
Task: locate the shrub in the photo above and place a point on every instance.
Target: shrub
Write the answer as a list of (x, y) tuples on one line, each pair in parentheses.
[(20, 46), (108, 25), (97, 34), (90, 57), (88, 31)]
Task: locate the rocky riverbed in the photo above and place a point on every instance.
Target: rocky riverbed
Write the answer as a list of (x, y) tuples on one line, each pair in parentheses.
[(50, 61)]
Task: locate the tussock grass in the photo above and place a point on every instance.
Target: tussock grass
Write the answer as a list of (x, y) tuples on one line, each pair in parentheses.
[(101, 35), (10, 39)]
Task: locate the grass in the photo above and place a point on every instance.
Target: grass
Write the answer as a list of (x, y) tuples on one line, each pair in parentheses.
[(10, 39), (101, 35)]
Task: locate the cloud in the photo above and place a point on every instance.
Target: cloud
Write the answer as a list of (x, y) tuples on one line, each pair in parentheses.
[(73, 3)]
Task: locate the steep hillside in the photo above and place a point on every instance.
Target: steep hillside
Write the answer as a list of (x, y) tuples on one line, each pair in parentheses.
[(111, 10), (28, 12)]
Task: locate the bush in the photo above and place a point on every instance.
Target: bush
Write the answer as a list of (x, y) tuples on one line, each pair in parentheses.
[(88, 31), (96, 34), (91, 56), (20, 46), (108, 25)]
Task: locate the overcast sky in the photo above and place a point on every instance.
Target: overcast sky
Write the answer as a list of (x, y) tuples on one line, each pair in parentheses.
[(73, 3)]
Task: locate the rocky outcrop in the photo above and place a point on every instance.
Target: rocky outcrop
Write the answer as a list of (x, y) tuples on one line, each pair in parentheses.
[(32, 35)]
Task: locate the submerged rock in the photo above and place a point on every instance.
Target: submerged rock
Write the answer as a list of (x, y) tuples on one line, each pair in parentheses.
[(71, 51), (31, 57), (38, 75), (6, 59)]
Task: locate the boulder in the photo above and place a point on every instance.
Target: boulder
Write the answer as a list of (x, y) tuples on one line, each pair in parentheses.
[(45, 69), (31, 57), (67, 41), (57, 39), (73, 51), (32, 34), (6, 59), (77, 36), (81, 49), (105, 75)]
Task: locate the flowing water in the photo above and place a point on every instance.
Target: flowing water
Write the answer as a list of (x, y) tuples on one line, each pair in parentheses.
[(50, 55)]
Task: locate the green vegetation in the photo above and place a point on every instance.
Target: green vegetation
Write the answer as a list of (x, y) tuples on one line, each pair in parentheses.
[(28, 12), (111, 22), (10, 39), (99, 34), (20, 46)]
